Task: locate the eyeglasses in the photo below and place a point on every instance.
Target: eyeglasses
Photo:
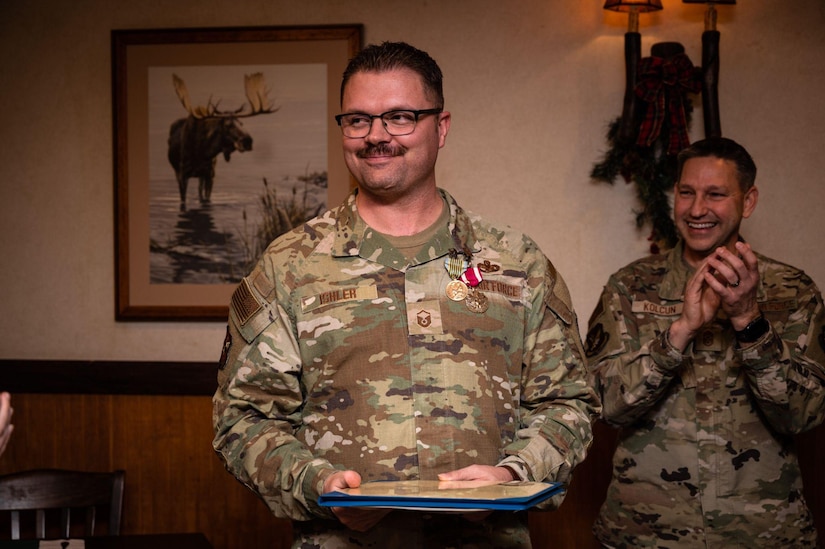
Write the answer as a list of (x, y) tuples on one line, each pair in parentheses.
[(358, 124)]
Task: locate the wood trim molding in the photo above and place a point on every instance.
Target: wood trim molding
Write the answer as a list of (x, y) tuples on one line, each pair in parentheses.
[(111, 377)]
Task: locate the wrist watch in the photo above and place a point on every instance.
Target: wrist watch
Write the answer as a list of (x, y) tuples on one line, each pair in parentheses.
[(754, 330)]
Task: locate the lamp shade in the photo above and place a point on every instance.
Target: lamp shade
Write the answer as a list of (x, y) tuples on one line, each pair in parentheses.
[(708, 1), (633, 5)]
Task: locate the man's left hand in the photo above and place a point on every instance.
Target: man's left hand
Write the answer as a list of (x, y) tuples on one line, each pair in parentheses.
[(735, 281), (477, 472)]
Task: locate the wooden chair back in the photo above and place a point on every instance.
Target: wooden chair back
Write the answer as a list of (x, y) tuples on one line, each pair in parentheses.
[(51, 495)]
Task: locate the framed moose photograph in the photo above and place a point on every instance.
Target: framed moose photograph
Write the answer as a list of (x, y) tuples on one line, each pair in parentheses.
[(223, 139)]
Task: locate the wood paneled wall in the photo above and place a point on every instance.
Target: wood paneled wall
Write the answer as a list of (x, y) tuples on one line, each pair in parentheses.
[(175, 483)]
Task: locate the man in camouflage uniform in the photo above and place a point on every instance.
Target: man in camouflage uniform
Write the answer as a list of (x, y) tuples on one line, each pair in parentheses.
[(399, 337), (710, 358)]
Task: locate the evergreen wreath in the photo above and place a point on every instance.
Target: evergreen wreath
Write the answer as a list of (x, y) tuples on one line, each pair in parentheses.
[(648, 157)]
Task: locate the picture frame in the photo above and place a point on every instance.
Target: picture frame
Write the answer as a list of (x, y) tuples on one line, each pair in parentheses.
[(182, 247)]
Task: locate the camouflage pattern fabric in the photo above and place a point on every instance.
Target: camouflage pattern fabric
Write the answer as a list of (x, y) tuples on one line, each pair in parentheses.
[(343, 354), (705, 455)]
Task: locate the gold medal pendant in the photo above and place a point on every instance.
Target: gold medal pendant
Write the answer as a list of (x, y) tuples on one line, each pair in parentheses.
[(456, 290), (476, 301)]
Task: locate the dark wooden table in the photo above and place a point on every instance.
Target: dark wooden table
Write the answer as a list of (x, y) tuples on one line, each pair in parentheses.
[(148, 541)]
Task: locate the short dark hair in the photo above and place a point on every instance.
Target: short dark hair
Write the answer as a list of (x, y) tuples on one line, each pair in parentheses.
[(388, 56), (725, 149)]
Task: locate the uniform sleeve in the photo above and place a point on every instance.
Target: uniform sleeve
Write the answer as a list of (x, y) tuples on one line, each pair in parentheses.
[(557, 402), (257, 405), (632, 368), (785, 368)]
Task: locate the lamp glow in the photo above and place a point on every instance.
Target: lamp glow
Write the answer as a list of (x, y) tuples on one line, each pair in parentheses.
[(633, 8), (710, 14)]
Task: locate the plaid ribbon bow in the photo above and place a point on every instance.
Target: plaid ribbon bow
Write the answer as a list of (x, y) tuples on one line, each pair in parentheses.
[(663, 83)]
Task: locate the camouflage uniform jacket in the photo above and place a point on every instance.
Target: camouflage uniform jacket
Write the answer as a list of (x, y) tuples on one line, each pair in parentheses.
[(705, 456), (342, 354)]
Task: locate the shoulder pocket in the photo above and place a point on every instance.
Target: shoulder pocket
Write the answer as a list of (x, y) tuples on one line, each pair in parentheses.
[(249, 307), (557, 296), (604, 336)]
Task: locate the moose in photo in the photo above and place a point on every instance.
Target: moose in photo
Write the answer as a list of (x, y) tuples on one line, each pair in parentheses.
[(196, 141)]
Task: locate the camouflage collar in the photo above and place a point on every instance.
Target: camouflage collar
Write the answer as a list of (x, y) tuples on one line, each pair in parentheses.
[(353, 237), (676, 275), (461, 228)]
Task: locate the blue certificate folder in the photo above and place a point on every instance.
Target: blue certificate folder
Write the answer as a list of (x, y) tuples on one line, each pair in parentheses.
[(437, 495)]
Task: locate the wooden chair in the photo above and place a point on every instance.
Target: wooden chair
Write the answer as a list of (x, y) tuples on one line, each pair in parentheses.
[(43, 493)]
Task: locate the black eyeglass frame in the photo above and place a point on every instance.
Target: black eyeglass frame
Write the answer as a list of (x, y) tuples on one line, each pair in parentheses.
[(416, 115)]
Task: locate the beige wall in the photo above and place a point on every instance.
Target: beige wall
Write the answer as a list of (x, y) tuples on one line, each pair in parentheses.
[(531, 84)]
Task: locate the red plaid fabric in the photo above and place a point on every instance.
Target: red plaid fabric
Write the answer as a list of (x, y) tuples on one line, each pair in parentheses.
[(663, 85)]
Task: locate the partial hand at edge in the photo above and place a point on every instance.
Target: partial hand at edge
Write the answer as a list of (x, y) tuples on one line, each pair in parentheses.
[(6, 427)]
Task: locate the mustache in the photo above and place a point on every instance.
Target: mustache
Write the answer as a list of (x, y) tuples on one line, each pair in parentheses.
[(381, 149)]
